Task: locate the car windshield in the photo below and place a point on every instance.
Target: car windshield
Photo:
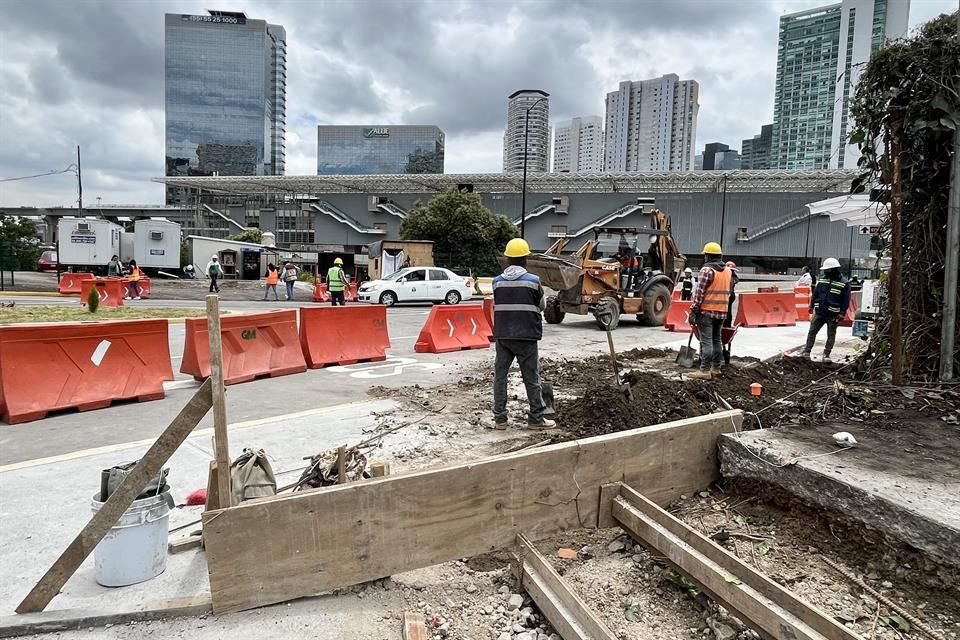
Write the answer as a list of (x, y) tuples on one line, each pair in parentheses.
[(398, 274)]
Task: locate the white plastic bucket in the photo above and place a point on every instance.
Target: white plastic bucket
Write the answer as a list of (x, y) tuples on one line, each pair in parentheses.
[(135, 549)]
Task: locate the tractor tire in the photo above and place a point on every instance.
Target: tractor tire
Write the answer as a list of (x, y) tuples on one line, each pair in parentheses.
[(656, 304), (552, 312), (607, 313)]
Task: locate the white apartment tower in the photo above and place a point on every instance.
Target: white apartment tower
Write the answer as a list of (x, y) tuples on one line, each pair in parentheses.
[(651, 125), (537, 104), (578, 145)]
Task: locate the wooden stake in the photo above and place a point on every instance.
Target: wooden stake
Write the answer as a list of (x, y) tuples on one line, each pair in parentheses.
[(342, 464), (131, 486), (221, 441), (414, 626)]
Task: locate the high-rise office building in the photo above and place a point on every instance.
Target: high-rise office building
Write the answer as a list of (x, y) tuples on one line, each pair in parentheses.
[(578, 145), (537, 127), (755, 151), (651, 125), (710, 150), (379, 149), (225, 81), (819, 59), (728, 160)]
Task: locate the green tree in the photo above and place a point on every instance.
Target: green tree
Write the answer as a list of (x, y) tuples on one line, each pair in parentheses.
[(19, 248), (250, 235), (467, 236)]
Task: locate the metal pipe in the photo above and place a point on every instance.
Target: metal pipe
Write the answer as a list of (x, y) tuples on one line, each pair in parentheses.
[(79, 187), (850, 256)]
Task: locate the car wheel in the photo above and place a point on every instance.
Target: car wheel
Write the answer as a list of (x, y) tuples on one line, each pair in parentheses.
[(452, 297), (388, 298)]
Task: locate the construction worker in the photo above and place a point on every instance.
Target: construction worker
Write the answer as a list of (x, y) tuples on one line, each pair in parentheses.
[(335, 283), (686, 284), (517, 327), (214, 270), (828, 304), (805, 279), (735, 279), (710, 308), (133, 280)]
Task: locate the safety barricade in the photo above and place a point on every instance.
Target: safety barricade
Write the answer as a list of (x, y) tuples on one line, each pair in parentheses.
[(70, 282), (111, 291), (801, 296), (255, 345), (80, 365), (454, 327), (678, 316), (145, 288), (766, 310), (676, 294), (350, 292), (320, 293), (852, 310), (488, 313), (343, 335)]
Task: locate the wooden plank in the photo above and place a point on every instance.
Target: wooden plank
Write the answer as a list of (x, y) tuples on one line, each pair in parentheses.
[(773, 609), (194, 541), (414, 626), (72, 619), (343, 535), (342, 464), (213, 488), (570, 616), (102, 521), (220, 439), (380, 469), (605, 513)]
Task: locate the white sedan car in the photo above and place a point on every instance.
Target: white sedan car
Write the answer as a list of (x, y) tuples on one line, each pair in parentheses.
[(417, 284)]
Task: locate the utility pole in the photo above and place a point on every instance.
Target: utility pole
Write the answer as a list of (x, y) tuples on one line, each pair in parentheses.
[(523, 190), (723, 210), (79, 187), (948, 327)]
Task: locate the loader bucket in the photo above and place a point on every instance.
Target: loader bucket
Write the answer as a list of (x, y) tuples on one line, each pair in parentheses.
[(554, 272)]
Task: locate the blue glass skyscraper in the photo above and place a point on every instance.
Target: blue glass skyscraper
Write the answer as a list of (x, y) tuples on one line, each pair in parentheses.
[(225, 84)]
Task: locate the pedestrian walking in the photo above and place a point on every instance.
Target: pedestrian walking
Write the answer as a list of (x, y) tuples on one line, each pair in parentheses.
[(710, 308), (336, 282), (273, 277), (133, 281), (828, 304), (214, 272), (517, 328), (290, 272)]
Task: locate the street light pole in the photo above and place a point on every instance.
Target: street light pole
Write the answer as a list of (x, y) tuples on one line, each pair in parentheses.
[(523, 191)]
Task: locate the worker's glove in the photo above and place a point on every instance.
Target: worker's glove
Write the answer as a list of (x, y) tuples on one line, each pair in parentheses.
[(694, 316)]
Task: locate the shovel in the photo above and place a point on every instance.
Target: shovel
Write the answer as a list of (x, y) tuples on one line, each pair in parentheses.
[(546, 390), (687, 354), (624, 388)]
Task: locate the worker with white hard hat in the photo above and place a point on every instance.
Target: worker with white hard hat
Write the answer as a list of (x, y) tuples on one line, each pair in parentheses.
[(686, 284), (828, 304), (214, 272)]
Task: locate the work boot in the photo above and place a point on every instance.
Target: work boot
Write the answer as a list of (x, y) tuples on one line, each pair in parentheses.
[(826, 358), (542, 423), (500, 423), (806, 355), (715, 372), (700, 374)]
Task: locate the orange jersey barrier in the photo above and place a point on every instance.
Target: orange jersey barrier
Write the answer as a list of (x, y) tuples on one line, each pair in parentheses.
[(343, 335), (852, 309), (678, 316), (320, 293), (254, 345), (676, 294), (145, 288), (70, 282), (454, 327), (801, 296), (350, 292), (80, 365), (766, 310), (111, 291)]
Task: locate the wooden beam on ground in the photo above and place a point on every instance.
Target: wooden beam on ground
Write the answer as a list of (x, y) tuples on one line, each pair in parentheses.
[(570, 616), (414, 626), (73, 619), (131, 486), (220, 439), (752, 595), (346, 534), (194, 541)]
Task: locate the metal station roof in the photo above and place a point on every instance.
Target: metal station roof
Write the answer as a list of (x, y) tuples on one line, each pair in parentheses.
[(829, 180)]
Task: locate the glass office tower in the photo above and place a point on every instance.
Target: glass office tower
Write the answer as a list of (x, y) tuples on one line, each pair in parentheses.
[(379, 149), (225, 80)]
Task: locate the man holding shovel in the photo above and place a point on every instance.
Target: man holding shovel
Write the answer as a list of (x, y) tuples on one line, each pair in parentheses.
[(709, 309), (517, 328)]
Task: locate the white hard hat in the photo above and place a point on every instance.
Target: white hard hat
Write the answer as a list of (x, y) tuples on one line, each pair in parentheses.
[(830, 263), (688, 270), (214, 258)]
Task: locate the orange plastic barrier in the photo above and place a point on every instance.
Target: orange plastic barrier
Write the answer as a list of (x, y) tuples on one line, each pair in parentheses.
[(111, 291), (320, 293), (454, 327), (254, 345), (350, 292), (852, 310), (80, 365), (488, 313), (766, 310), (145, 287), (676, 294), (678, 316), (343, 335), (801, 296), (70, 282)]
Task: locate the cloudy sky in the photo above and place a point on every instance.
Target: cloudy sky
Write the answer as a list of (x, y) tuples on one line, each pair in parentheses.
[(90, 72)]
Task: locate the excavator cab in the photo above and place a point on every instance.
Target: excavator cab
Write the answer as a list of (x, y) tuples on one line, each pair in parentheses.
[(621, 270)]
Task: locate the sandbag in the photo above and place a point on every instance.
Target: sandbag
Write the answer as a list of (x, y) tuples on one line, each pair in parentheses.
[(251, 476)]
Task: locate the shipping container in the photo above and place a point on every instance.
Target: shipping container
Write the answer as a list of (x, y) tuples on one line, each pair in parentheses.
[(157, 244)]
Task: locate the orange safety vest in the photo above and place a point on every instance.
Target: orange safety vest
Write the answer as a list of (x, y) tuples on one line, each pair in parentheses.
[(134, 275), (273, 277), (717, 296)]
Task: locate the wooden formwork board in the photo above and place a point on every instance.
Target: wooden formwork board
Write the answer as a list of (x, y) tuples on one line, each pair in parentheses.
[(276, 549), (774, 610)]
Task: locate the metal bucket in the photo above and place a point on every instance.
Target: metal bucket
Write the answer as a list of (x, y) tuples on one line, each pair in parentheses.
[(135, 549)]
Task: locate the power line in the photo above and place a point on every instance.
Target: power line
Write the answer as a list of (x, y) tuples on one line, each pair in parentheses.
[(70, 169)]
